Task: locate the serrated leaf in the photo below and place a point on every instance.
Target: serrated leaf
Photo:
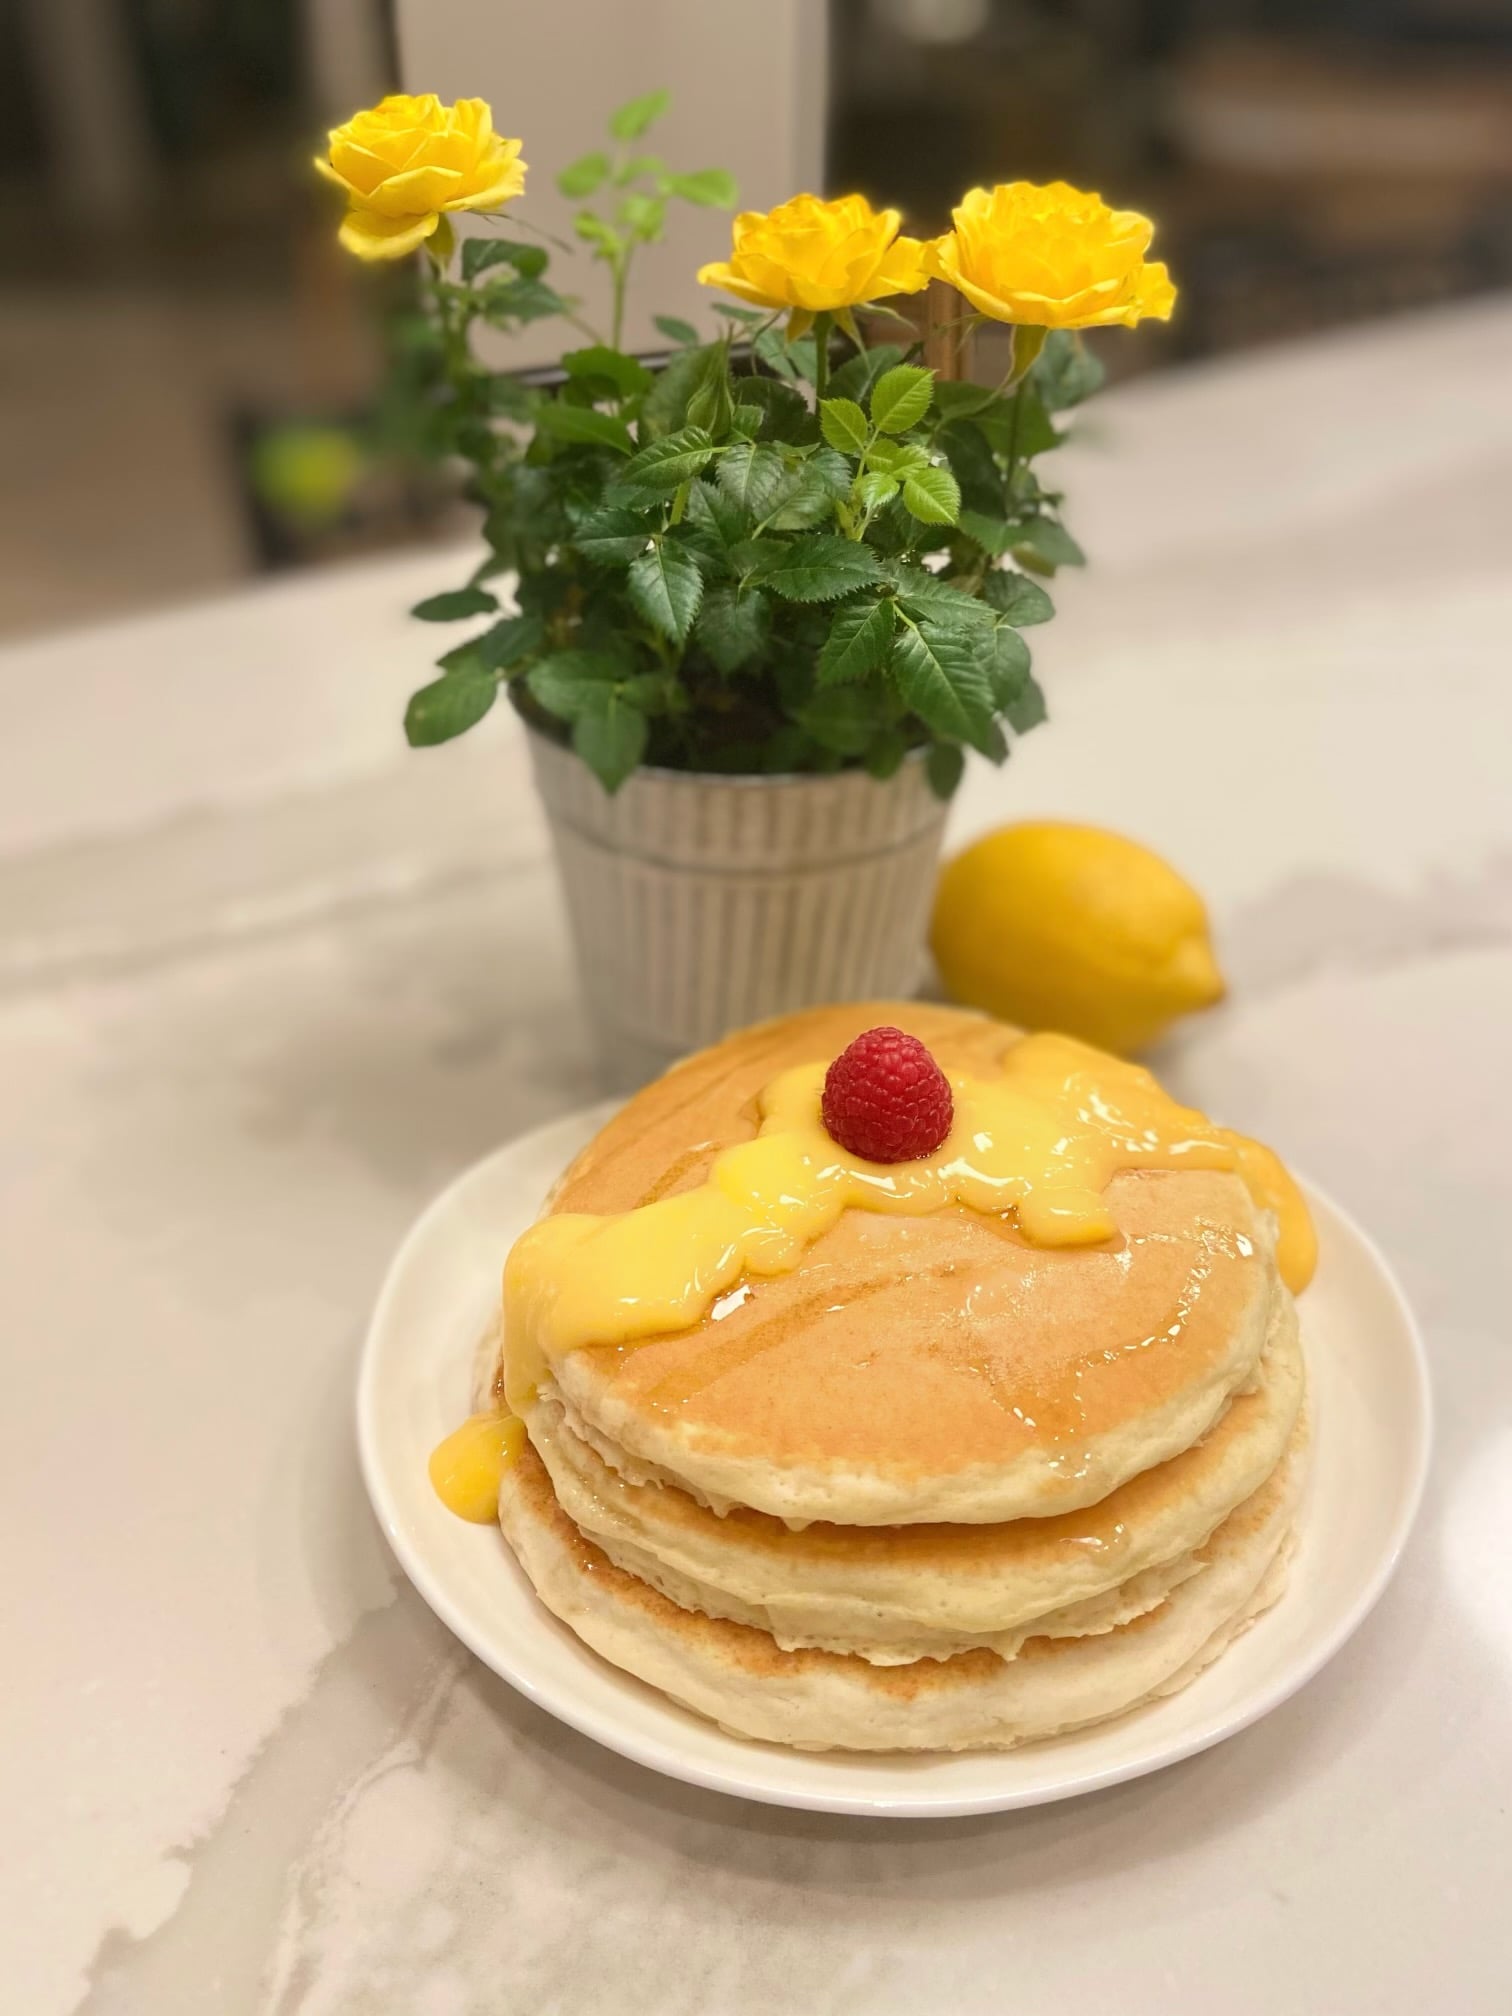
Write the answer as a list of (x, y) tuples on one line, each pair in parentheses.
[(626, 374), (667, 588), (942, 676), (449, 706), (665, 406), (844, 425), (1046, 542), (611, 741), (581, 426), (752, 557), (510, 640), (675, 329), (732, 628), (568, 683), (634, 118), (974, 466), (507, 301), (1028, 710), (712, 513), (479, 254), (807, 494), (670, 461), (859, 640), (581, 177), (750, 475), (932, 496), (1066, 371), (453, 604), (745, 421), (714, 188), (1009, 666), (875, 489), (842, 718), (611, 537), (1020, 428), (944, 767), (821, 568), (885, 753), (929, 598), (784, 414), (897, 458), (1018, 598), (855, 378), (957, 399), (901, 397)]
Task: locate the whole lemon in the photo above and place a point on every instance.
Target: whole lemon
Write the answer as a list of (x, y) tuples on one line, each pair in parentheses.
[(1055, 926)]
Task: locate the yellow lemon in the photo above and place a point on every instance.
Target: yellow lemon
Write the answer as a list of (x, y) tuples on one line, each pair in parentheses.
[(1055, 926)]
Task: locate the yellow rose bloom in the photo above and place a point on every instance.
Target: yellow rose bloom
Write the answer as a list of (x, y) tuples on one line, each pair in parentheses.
[(408, 161), (1051, 257), (815, 257)]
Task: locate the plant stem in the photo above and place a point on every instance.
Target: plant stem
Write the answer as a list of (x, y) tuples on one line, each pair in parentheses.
[(822, 325), (620, 269)]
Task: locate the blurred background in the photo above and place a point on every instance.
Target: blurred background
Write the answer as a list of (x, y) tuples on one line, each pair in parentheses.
[(198, 388)]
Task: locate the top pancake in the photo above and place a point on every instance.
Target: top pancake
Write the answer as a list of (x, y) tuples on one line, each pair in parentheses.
[(917, 1368)]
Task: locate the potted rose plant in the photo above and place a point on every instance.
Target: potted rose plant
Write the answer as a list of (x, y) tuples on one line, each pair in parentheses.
[(764, 591)]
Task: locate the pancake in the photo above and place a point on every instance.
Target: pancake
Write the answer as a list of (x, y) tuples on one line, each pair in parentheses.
[(917, 1369), (896, 1593), (738, 1677)]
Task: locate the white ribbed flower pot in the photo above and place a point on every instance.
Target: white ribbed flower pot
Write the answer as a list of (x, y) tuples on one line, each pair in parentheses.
[(699, 903)]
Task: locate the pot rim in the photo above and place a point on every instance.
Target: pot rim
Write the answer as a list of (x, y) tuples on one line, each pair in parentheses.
[(744, 779)]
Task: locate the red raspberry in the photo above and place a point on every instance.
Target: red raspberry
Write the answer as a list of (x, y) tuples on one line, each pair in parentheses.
[(886, 1099)]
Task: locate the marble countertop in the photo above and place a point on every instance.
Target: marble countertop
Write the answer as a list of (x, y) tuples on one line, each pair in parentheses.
[(267, 981)]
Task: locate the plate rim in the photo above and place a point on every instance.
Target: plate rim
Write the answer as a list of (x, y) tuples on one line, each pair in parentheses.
[(659, 1755)]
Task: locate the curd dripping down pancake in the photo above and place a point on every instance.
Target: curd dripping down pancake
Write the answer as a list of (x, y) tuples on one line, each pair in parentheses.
[(916, 1368), (895, 1593), (739, 1678)]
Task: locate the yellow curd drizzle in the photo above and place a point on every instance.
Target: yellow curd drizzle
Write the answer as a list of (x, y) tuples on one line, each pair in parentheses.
[(467, 1468), (1042, 1140)]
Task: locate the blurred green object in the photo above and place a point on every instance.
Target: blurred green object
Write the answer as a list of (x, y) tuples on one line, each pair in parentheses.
[(307, 474)]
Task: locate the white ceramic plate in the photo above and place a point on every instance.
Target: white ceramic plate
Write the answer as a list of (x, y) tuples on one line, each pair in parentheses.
[(1371, 1412)]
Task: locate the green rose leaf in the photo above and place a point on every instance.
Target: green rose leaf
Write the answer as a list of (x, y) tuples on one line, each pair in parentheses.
[(666, 587), (626, 374), (581, 426), (1066, 372), (944, 767), (821, 568), (479, 254), (639, 115), (453, 604), (581, 177), (859, 640), (510, 640), (731, 627), (884, 754), (806, 496), (844, 425), (1028, 710), (932, 495), (784, 414), (896, 458), (942, 676), (1020, 427), (927, 597), (569, 683), (676, 330), (901, 397), (875, 489), (958, 400), (644, 217), (611, 536), (448, 706), (843, 718), (855, 378), (1018, 598), (714, 515), (1043, 540), (611, 741), (715, 188), (750, 475), (668, 463), (507, 301), (1009, 666)]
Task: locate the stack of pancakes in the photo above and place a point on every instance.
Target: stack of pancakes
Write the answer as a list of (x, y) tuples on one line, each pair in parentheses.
[(935, 1489)]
